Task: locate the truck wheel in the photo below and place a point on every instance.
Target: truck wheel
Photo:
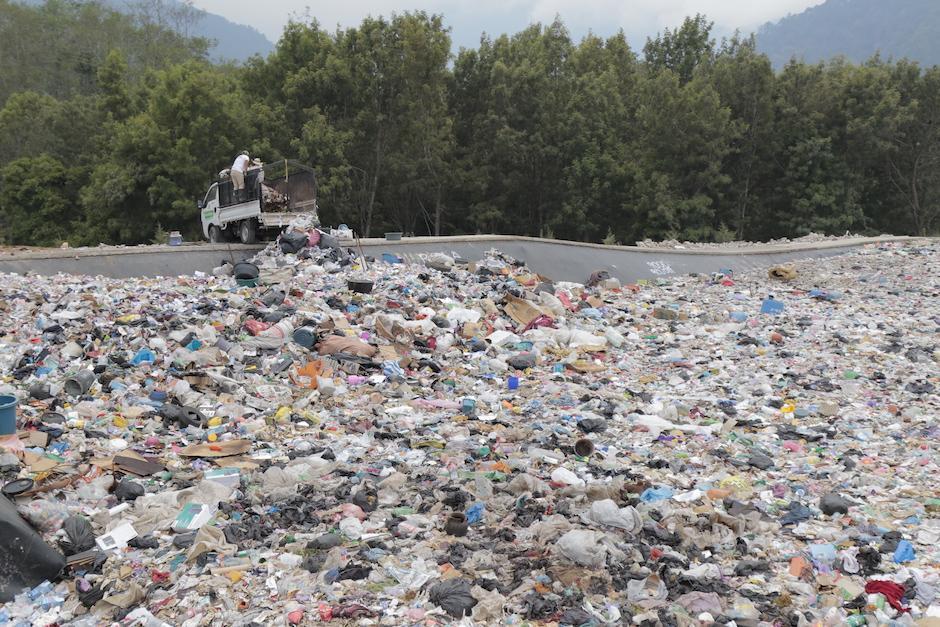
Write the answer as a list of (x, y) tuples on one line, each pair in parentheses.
[(247, 232), (215, 235)]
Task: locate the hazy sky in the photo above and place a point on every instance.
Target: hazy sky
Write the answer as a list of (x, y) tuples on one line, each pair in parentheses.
[(469, 18)]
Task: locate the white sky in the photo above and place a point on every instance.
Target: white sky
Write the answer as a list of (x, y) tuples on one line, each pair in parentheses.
[(469, 18)]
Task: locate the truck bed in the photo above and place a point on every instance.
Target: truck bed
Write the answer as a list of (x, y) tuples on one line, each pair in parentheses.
[(252, 209), (274, 219), (241, 211)]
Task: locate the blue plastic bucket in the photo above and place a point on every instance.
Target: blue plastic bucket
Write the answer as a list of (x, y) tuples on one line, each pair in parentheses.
[(7, 415)]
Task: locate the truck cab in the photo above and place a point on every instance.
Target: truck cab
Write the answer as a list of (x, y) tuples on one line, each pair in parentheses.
[(275, 194)]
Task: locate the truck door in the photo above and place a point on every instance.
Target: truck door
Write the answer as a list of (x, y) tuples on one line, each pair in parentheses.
[(210, 208)]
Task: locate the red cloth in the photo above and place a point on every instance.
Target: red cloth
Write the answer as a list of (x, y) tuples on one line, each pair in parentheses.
[(891, 591), (541, 321), (256, 326)]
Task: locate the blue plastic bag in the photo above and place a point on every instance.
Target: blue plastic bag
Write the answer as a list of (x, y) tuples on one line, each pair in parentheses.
[(904, 552), (651, 495), (474, 513), (144, 355)]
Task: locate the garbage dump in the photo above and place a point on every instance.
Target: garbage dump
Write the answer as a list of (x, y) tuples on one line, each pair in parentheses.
[(322, 438)]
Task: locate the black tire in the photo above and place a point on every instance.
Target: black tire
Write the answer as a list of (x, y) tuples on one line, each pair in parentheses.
[(247, 232), (215, 235)]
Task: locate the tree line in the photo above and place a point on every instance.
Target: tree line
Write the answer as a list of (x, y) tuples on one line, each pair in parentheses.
[(531, 133)]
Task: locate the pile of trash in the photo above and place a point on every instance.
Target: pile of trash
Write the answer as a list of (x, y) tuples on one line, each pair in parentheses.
[(809, 238), (314, 436)]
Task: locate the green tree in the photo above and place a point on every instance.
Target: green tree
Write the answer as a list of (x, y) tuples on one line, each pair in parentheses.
[(812, 188), (517, 95), (911, 146), (163, 158), (744, 80), (113, 87), (37, 206), (683, 49), (684, 137), (58, 47), (33, 124), (600, 194), (424, 137)]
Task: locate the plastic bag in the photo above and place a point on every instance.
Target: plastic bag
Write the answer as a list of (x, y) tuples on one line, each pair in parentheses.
[(607, 513), (583, 547), (25, 560), (293, 242)]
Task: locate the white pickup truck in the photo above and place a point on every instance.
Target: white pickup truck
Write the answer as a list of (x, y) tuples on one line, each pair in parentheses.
[(274, 195)]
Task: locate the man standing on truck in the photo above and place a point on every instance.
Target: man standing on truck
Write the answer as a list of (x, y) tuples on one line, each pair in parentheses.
[(238, 175)]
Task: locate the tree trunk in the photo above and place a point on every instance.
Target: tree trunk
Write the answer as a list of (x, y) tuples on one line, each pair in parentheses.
[(437, 212), (367, 230), (915, 202), (742, 206)]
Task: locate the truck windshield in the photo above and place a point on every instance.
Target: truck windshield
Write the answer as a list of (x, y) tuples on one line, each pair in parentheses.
[(211, 194)]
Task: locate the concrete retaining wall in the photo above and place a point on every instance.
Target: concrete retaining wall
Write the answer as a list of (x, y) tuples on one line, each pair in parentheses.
[(559, 260)]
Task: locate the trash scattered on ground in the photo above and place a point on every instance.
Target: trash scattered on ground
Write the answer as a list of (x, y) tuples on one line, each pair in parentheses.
[(809, 238), (318, 437)]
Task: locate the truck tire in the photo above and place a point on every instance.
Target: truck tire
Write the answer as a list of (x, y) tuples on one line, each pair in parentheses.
[(247, 232), (215, 235)]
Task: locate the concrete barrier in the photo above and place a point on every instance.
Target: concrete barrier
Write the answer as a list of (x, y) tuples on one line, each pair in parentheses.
[(556, 259)]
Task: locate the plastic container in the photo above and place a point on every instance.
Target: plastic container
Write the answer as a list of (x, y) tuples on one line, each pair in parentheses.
[(362, 286), (245, 270), (7, 415), (456, 524), (393, 237), (584, 448), (80, 383), (176, 238), (16, 487), (305, 336)]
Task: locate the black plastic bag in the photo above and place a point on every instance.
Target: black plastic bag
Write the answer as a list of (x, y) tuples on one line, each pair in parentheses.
[(128, 490), (293, 242), (81, 536), (453, 595), (25, 560)]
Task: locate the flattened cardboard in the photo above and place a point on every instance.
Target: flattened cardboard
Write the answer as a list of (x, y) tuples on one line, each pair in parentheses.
[(217, 449)]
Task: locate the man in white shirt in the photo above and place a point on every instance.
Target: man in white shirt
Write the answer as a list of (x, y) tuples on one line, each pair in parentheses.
[(237, 173)]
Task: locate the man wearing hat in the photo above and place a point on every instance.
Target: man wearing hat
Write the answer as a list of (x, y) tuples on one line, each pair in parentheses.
[(237, 173)]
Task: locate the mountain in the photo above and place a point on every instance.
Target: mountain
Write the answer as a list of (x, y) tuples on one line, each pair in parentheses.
[(233, 41), (856, 29)]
